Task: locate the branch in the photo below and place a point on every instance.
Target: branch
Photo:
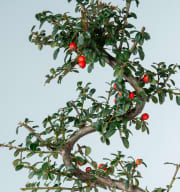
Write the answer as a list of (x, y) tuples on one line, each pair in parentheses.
[(25, 149), (134, 83), (107, 181), (31, 130), (174, 178), (73, 104), (135, 42), (53, 188), (164, 84), (125, 22)]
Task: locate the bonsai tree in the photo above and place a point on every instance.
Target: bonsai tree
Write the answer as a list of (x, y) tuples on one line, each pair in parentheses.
[(102, 34)]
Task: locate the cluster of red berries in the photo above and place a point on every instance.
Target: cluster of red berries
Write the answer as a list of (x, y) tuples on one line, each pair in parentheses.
[(81, 59), (145, 79), (89, 168), (120, 94), (138, 161), (145, 116)]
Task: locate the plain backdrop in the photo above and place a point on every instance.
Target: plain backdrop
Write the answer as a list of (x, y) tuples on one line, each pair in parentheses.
[(23, 94)]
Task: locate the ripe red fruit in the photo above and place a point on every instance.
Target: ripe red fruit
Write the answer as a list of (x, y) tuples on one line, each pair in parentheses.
[(114, 100), (81, 58), (131, 95), (79, 163), (82, 64), (145, 116), (120, 94), (72, 46), (145, 78), (104, 168), (88, 169), (138, 161), (115, 86)]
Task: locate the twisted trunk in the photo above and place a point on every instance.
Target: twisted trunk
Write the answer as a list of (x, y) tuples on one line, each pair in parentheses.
[(66, 150)]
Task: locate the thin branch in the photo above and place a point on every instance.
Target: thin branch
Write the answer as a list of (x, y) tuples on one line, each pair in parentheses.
[(26, 150), (73, 104), (164, 84), (175, 93), (51, 171), (31, 130), (135, 42), (174, 178), (128, 4), (53, 188)]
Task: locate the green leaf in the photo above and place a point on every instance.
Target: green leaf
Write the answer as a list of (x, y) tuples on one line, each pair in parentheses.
[(87, 150), (19, 167), (16, 153), (129, 25), (138, 125), (107, 141), (52, 70), (45, 166), (141, 53), (54, 44), (51, 176), (138, 37), (102, 62), (146, 36), (125, 142), (170, 95), (110, 132), (16, 162), (80, 40), (154, 99), (55, 54), (161, 97), (90, 67), (119, 73), (178, 100), (78, 158), (31, 175), (30, 154)]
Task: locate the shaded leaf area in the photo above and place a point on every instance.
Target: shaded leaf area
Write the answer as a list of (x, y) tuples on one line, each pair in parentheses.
[(49, 170), (104, 116), (58, 127), (98, 27)]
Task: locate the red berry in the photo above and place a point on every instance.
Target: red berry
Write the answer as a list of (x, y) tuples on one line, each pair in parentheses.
[(145, 78), (114, 100), (138, 161), (120, 94), (115, 86), (79, 163), (82, 64), (81, 58), (145, 116), (88, 169), (104, 168), (72, 46), (131, 95)]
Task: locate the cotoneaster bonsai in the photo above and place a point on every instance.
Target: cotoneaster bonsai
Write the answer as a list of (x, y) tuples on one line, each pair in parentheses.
[(86, 41)]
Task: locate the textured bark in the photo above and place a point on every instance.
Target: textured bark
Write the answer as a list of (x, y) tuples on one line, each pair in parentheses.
[(107, 181), (66, 150)]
